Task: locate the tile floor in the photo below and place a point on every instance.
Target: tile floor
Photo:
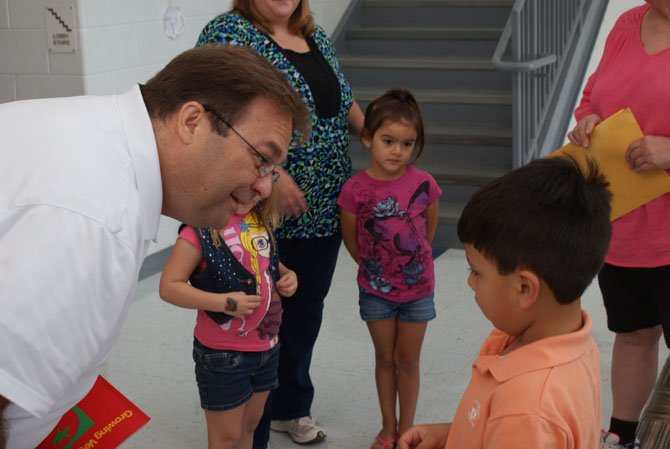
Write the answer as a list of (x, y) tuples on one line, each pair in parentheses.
[(152, 362)]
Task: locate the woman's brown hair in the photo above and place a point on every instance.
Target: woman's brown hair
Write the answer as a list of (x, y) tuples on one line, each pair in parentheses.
[(301, 21)]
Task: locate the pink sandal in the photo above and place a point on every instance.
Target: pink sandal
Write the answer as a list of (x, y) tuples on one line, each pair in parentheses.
[(386, 444)]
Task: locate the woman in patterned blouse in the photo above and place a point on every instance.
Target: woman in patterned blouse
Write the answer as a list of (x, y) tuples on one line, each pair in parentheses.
[(284, 33)]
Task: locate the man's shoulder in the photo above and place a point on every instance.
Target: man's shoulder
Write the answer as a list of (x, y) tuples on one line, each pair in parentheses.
[(77, 161)]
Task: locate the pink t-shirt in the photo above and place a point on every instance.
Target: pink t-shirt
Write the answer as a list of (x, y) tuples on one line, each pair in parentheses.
[(396, 260), (545, 394), (258, 331), (628, 77)]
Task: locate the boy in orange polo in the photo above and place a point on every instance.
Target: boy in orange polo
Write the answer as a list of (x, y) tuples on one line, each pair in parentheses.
[(534, 239)]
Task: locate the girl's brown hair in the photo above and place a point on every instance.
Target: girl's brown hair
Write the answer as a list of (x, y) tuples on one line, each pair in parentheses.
[(301, 21), (395, 105), (267, 212)]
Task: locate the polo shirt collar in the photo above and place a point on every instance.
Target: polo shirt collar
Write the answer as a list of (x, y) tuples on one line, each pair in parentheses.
[(542, 354), (144, 155)]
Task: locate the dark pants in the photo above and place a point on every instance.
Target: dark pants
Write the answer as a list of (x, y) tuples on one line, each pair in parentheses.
[(313, 260)]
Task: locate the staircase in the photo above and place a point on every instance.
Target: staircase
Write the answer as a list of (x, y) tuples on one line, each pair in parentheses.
[(441, 50)]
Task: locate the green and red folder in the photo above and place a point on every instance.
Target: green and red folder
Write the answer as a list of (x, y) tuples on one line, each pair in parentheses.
[(104, 419)]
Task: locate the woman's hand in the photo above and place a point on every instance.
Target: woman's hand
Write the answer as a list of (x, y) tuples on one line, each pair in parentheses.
[(649, 153), (582, 132), (287, 283), (291, 199), (237, 303)]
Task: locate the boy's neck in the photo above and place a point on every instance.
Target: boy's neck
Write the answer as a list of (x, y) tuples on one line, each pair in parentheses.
[(551, 319)]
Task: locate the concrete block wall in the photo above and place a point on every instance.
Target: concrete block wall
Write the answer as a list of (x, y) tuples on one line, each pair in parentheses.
[(119, 43)]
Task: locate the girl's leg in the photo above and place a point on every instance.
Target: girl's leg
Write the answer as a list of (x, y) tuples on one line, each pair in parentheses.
[(407, 355), (224, 428), (383, 333), (253, 410)]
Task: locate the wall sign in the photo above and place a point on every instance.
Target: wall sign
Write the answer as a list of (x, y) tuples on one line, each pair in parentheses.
[(61, 28)]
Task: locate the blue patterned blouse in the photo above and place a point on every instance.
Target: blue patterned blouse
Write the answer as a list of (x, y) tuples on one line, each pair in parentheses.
[(320, 166)]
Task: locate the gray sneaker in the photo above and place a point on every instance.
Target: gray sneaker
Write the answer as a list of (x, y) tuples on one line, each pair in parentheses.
[(609, 440), (303, 430)]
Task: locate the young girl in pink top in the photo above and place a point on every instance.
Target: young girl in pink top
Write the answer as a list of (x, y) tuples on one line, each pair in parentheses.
[(234, 278), (388, 214)]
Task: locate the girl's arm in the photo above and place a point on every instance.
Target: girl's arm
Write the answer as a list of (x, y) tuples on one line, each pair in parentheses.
[(287, 283), (356, 119), (349, 232), (175, 289), (431, 221)]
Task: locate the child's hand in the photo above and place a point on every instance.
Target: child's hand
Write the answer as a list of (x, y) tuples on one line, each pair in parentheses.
[(287, 284), (426, 436), (238, 304)]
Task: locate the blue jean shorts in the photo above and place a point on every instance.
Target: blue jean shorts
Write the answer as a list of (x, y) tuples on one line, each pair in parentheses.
[(374, 308), (227, 379)]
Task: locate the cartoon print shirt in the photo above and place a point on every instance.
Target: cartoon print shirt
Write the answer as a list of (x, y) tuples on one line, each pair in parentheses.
[(395, 258), (249, 242)]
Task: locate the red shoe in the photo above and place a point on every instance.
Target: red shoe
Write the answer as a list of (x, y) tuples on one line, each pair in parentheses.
[(386, 444)]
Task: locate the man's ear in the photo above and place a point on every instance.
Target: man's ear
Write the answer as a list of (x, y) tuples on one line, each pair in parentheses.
[(366, 138), (190, 120), (528, 288)]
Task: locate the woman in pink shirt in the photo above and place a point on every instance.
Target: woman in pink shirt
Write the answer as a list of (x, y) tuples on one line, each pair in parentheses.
[(634, 73)]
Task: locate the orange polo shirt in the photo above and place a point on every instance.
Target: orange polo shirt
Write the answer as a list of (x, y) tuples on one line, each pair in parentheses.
[(543, 395)]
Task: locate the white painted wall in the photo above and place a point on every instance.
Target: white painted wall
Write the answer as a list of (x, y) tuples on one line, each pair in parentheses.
[(120, 43)]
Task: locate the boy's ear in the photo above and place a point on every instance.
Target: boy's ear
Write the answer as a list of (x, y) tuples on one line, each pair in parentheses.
[(528, 288), (366, 138)]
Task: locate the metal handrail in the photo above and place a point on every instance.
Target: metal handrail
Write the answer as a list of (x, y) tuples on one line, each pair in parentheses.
[(541, 37), (521, 66)]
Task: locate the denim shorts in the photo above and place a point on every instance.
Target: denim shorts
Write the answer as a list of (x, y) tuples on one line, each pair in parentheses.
[(374, 308), (227, 379)]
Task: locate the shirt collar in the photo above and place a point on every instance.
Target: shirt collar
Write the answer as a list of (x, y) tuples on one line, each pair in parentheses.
[(144, 155), (541, 354)]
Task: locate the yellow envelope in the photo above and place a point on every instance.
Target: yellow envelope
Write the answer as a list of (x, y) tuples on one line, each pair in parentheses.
[(608, 144)]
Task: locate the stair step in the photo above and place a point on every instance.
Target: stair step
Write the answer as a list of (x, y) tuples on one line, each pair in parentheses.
[(439, 14), (446, 173), (458, 96), (438, 3), (467, 135), (423, 33), (417, 63), (450, 212)]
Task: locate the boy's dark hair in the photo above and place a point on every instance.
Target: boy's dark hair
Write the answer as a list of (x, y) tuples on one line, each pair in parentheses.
[(548, 217), (395, 105)]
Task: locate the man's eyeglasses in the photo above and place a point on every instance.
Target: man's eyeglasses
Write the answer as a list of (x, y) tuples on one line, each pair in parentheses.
[(267, 166)]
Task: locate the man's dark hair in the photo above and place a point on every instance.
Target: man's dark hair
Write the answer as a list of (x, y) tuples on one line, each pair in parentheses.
[(226, 78), (548, 217)]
